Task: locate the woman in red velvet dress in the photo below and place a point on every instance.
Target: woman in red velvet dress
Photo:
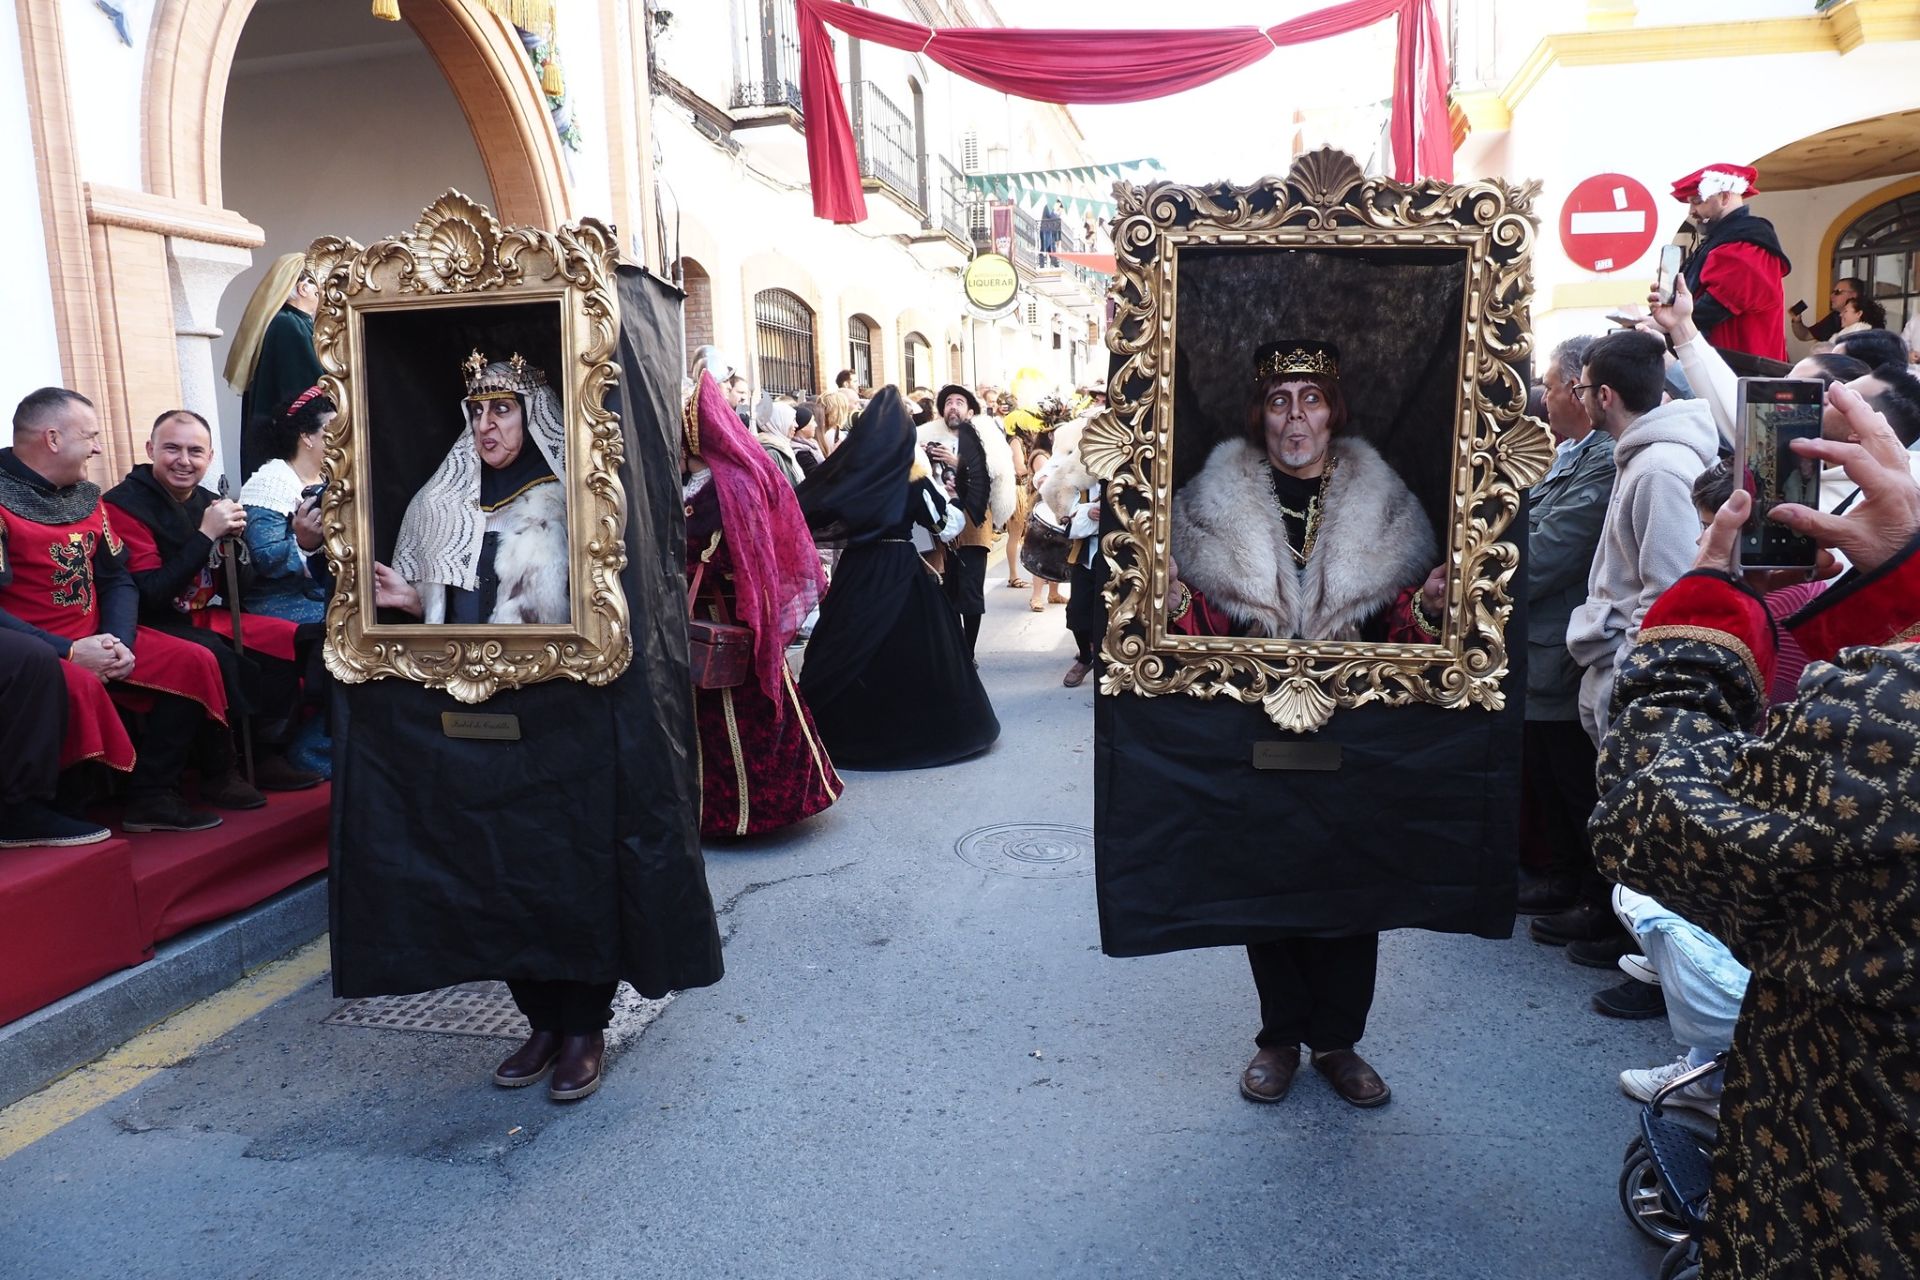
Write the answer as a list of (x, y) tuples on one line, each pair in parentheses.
[(762, 764)]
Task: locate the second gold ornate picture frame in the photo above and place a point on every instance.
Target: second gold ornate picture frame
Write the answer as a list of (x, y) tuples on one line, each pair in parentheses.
[(411, 331), (1426, 287)]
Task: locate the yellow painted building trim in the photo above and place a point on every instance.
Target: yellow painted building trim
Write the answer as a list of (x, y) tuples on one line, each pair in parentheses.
[(1608, 15), (1831, 240), (1841, 29), (1484, 110), (1623, 290), (154, 1050)]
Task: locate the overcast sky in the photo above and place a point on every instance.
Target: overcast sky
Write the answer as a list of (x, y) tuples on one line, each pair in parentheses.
[(1238, 127)]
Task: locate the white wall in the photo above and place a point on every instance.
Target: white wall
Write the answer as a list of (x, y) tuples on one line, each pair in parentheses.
[(32, 350), (1803, 219), (394, 139), (106, 78)]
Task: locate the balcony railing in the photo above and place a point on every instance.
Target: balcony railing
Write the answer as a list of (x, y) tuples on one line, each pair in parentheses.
[(955, 202), (771, 76), (884, 138)]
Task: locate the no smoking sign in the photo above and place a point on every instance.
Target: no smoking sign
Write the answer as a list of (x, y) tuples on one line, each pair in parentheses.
[(1607, 222)]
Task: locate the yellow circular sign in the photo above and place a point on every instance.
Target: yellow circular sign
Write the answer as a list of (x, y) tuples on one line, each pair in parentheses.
[(991, 282)]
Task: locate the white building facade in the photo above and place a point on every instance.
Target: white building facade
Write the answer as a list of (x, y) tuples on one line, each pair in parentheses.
[(167, 150), (795, 300)]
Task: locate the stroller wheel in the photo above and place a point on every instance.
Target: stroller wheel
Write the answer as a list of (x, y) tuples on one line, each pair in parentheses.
[(1644, 1201)]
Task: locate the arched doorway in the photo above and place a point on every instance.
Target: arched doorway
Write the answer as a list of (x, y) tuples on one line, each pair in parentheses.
[(312, 119), (860, 353), (916, 362), (479, 57), (697, 310)]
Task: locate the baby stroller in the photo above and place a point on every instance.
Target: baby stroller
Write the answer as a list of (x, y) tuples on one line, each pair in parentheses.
[(1667, 1176)]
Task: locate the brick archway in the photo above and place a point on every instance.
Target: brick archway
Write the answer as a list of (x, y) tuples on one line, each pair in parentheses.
[(191, 53)]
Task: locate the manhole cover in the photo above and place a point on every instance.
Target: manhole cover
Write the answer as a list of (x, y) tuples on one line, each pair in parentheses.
[(1036, 851)]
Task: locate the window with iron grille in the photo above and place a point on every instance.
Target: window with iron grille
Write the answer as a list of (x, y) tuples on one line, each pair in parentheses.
[(784, 326), (860, 350), (918, 365), (1882, 247)]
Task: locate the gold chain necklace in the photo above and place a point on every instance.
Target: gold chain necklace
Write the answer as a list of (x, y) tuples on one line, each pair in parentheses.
[(1310, 517)]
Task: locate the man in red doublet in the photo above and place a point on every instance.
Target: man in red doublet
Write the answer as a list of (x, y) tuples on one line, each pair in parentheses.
[(1735, 272), (62, 580)]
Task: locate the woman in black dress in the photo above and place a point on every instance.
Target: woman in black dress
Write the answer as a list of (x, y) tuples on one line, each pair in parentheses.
[(887, 672)]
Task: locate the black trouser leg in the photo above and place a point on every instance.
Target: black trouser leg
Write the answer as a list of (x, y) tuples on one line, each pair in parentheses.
[(174, 728), (565, 1008), (33, 709), (970, 630), (1086, 611), (1314, 991), (1559, 779)]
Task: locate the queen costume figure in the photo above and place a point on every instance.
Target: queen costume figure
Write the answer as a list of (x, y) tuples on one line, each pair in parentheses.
[(485, 538)]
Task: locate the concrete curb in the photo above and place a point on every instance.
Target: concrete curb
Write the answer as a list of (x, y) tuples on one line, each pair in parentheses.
[(43, 1046)]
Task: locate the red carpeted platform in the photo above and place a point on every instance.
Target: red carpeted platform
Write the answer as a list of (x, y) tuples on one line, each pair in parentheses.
[(181, 879), (69, 917)]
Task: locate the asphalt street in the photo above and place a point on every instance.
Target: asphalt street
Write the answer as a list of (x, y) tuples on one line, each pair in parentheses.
[(915, 1066)]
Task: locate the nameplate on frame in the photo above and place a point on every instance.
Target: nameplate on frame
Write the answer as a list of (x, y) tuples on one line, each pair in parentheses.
[(479, 724), (1314, 757)]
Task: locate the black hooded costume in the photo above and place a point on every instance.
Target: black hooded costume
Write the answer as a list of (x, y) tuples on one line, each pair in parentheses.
[(887, 672)]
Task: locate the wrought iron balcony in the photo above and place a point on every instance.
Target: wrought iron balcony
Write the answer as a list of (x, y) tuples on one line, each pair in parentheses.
[(956, 202), (884, 137), (771, 77)]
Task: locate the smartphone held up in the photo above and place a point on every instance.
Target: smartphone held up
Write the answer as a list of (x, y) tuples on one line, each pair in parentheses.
[(1668, 279), (1770, 414)]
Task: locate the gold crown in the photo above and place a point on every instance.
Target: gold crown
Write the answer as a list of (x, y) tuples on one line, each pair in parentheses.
[(1297, 360), (492, 381)]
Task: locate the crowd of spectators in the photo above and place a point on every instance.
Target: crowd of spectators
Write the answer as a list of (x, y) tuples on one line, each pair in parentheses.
[(1731, 824)]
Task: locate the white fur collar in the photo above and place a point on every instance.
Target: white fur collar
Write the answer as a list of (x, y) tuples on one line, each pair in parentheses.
[(993, 443), (1229, 543), (531, 563)]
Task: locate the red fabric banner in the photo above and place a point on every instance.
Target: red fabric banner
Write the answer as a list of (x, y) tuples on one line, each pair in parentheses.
[(1069, 66)]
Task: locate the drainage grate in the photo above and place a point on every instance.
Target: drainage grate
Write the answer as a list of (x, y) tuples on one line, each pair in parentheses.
[(471, 1009), (1034, 851), (484, 1009)]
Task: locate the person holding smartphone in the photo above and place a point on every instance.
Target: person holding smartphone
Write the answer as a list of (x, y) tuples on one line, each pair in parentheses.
[(283, 510), (1736, 269), (1844, 290)]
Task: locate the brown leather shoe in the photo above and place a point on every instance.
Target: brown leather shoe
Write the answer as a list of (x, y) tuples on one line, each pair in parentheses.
[(1076, 674), (576, 1073), (527, 1064), (1270, 1074), (1352, 1078)]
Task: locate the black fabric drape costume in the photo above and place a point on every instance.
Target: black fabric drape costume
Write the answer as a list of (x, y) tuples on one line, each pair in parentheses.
[(573, 854)]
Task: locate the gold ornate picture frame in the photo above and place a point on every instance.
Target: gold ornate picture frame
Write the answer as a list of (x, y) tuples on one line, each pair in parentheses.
[(1359, 233), (394, 319)]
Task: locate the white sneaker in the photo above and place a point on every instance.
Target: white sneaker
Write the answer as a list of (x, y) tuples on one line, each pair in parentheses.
[(1640, 969), (1702, 1096)]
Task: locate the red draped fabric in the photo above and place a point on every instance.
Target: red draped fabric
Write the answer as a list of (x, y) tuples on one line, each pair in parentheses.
[(1105, 67)]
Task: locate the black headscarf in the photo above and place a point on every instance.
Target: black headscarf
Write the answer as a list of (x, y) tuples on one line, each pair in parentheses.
[(859, 494)]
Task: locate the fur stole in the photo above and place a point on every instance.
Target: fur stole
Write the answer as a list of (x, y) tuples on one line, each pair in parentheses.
[(532, 560), (1067, 477), (1230, 543), (1001, 496)]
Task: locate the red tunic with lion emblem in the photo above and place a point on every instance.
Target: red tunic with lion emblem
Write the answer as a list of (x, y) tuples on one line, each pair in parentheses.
[(47, 581)]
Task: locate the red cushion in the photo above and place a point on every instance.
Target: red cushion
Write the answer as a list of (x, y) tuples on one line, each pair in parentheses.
[(67, 918), (186, 878)]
